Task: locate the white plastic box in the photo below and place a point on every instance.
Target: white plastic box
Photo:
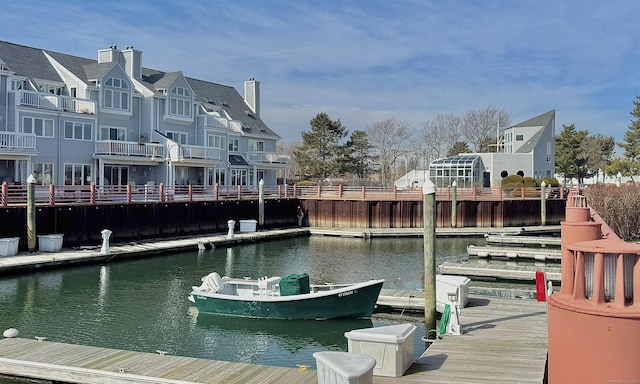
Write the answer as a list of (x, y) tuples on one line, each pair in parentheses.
[(344, 368), (391, 346), (248, 225), (9, 246), (50, 243), (449, 284)]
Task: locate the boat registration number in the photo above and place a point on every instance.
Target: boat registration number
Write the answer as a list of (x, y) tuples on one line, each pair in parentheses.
[(342, 294)]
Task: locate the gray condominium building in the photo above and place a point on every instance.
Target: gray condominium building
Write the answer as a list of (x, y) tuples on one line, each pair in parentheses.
[(69, 120)]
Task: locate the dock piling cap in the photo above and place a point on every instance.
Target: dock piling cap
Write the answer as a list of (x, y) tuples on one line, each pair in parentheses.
[(428, 188), (11, 332)]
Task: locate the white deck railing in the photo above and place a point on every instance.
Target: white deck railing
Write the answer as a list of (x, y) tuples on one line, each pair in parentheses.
[(17, 141), (55, 102)]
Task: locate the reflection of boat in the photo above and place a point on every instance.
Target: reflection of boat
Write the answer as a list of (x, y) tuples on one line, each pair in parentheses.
[(291, 297), (293, 334)]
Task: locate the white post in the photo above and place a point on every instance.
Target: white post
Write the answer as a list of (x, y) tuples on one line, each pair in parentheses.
[(261, 203), (106, 234), (231, 224)]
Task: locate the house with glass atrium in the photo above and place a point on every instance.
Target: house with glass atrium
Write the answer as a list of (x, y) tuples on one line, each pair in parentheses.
[(70, 120), (527, 147)]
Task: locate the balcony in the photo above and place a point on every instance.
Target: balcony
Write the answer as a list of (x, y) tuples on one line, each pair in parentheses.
[(54, 102), (15, 142), (129, 148), (266, 158), (199, 152)]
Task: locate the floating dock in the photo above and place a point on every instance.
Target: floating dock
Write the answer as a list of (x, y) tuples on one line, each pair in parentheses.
[(540, 254), (543, 241), (501, 271)]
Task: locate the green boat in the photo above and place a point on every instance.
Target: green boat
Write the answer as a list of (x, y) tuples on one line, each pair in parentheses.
[(291, 297)]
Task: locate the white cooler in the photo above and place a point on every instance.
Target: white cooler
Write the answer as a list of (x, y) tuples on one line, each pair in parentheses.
[(248, 225), (391, 346), (344, 368)]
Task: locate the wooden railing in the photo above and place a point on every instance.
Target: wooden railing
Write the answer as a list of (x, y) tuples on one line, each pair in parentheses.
[(11, 195), (16, 195), (340, 192)]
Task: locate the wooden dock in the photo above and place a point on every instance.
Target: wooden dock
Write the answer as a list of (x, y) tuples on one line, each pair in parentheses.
[(501, 271), (540, 254), (503, 341), (525, 240), (70, 363)]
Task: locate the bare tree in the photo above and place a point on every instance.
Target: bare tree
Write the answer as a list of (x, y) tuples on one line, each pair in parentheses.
[(480, 128), (438, 135), (288, 149), (391, 139)]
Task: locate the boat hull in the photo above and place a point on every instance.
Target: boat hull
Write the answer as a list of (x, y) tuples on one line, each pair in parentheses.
[(357, 301)]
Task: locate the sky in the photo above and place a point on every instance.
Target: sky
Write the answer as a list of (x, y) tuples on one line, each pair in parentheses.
[(364, 61)]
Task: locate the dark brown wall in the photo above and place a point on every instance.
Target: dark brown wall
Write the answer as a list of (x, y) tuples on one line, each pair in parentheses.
[(82, 224), (408, 214)]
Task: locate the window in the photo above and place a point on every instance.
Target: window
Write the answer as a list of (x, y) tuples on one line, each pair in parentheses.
[(180, 102), (38, 126), (216, 141), (519, 137), (17, 85), (256, 146), (116, 94), (242, 177), (77, 174), (178, 137), (43, 172), (78, 131), (113, 133), (234, 145), (216, 176)]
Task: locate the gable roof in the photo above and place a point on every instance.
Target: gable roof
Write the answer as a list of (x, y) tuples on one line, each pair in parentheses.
[(32, 63), (538, 121)]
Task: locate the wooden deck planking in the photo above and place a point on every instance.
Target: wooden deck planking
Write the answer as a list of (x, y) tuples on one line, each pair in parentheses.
[(28, 354), (503, 341)]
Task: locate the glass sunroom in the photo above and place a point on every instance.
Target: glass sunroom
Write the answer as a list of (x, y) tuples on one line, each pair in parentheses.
[(466, 170)]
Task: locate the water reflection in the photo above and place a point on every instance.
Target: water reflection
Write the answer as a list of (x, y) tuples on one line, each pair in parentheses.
[(142, 304), (293, 335)]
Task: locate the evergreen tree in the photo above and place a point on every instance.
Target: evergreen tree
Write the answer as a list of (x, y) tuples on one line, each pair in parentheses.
[(567, 144), (358, 157), (319, 155), (631, 143), (457, 148)]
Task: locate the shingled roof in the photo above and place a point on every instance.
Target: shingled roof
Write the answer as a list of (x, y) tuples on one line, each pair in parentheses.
[(32, 63)]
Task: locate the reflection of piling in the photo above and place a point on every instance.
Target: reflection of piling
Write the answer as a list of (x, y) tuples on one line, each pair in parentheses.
[(429, 218), (31, 213)]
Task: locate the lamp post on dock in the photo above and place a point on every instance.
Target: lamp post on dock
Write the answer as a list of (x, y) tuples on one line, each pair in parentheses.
[(429, 218)]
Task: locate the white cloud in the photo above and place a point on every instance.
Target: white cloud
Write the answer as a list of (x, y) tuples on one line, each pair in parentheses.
[(363, 61)]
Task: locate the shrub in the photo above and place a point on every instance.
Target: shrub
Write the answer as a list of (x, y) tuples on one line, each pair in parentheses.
[(619, 207), (306, 183)]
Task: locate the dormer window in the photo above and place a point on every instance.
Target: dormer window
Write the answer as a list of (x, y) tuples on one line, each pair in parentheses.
[(116, 94), (180, 102)]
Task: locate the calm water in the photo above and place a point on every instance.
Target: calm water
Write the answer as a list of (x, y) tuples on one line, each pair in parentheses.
[(142, 305)]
